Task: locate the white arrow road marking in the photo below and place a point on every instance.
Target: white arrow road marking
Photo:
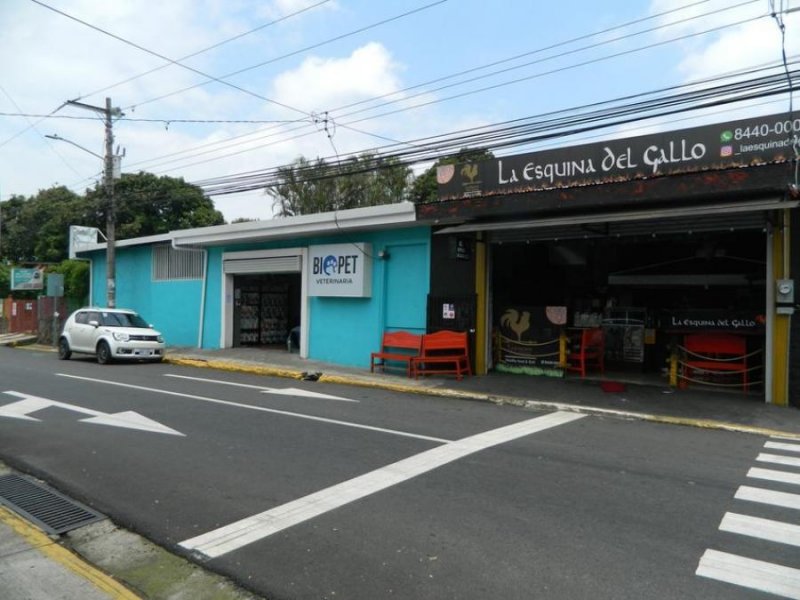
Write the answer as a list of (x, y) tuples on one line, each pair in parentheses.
[(127, 419), (274, 411), (21, 409), (267, 390), (251, 529)]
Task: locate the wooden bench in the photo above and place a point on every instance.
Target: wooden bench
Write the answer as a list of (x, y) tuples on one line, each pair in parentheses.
[(398, 347), (443, 352), (714, 353)]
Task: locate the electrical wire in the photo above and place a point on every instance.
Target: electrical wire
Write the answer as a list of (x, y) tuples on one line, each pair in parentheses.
[(223, 143), (222, 80), (505, 137), (290, 54), (162, 57), (332, 121), (350, 124), (209, 48), (33, 126)]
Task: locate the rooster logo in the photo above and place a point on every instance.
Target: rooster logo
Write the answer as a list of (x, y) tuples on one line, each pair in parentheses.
[(516, 322), (470, 171)]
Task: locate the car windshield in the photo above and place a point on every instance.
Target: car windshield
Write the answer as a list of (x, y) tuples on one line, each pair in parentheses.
[(110, 319)]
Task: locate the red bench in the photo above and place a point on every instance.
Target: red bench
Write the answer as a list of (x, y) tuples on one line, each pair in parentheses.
[(398, 347), (714, 353), (443, 352)]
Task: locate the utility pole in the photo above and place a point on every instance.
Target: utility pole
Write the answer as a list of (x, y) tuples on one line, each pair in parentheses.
[(108, 184)]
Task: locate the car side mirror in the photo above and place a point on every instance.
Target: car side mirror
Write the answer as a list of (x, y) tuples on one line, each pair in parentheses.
[(94, 323)]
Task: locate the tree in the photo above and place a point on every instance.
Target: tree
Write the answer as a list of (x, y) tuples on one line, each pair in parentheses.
[(425, 189), (37, 229), (76, 279), (149, 205), (307, 187)]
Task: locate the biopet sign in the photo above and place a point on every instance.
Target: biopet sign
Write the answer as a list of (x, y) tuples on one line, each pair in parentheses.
[(343, 270)]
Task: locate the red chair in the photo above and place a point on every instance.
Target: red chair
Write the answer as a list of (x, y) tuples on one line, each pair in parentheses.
[(589, 353), (714, 354)]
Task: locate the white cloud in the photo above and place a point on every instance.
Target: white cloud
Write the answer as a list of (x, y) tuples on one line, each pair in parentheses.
[(320, 84)]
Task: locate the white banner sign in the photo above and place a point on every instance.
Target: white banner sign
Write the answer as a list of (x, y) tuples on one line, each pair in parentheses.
[(81, 238), (343, 270)]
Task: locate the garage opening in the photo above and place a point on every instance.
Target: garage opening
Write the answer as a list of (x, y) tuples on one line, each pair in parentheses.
[(266, 309)]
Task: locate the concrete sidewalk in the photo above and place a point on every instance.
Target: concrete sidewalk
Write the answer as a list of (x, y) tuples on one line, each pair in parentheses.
[(645, 399)]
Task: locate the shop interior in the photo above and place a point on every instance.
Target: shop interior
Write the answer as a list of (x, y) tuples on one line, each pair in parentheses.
[(631, 288), (267, 309)]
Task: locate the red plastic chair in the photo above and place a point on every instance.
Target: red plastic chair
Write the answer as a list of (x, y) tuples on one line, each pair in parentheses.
[(590, 352)]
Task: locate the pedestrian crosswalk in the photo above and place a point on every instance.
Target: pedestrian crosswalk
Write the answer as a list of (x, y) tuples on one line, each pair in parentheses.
[(776, 491)]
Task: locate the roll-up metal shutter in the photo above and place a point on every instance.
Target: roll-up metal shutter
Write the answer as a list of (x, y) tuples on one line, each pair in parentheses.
[(274, 264), (700, 218)]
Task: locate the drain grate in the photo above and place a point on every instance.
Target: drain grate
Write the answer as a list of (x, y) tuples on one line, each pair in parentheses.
[(50, 510)]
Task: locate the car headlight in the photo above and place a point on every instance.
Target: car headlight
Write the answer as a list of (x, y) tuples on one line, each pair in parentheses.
[(160, 339), (120, 336)]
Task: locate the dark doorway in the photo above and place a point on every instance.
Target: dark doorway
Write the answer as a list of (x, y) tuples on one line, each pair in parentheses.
[(267, 307)]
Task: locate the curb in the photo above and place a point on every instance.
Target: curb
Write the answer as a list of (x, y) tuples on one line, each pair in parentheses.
[(224, 365), (53, 551), (495, 399)]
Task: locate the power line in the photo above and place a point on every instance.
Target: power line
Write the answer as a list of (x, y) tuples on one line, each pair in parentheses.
[(162, 57), (294, 53), (140, 120), (483, 67), (222, 79), (535, 129), (209, 48), (349, 124)]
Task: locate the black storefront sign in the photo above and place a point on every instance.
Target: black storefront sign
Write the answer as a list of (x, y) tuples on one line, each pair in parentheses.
[(710, 147), (688, 321), (529, 337)]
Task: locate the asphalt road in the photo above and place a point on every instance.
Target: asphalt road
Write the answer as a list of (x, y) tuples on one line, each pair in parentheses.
[(376, 494)]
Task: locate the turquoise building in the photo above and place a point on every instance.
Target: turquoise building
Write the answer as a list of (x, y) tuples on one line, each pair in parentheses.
[(332, 283)]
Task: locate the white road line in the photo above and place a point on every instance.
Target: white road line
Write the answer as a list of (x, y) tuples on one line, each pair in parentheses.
[(783, 446), (749, 573), (771, 475), (779, 460), (246, 531), (265, 389), (765, 529), (261, 409), (768, 497)]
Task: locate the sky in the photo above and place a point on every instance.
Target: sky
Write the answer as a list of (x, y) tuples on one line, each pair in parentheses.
[(219, 88)]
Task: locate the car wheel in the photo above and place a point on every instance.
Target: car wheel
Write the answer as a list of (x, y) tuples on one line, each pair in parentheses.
[(63, 349), (103, 353)]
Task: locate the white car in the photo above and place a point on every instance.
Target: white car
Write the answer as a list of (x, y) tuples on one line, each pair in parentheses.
[(110, 334)]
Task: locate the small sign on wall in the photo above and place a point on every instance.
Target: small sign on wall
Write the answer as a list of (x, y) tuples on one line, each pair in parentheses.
[(448, 311), (460, 248), (340, 270)]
